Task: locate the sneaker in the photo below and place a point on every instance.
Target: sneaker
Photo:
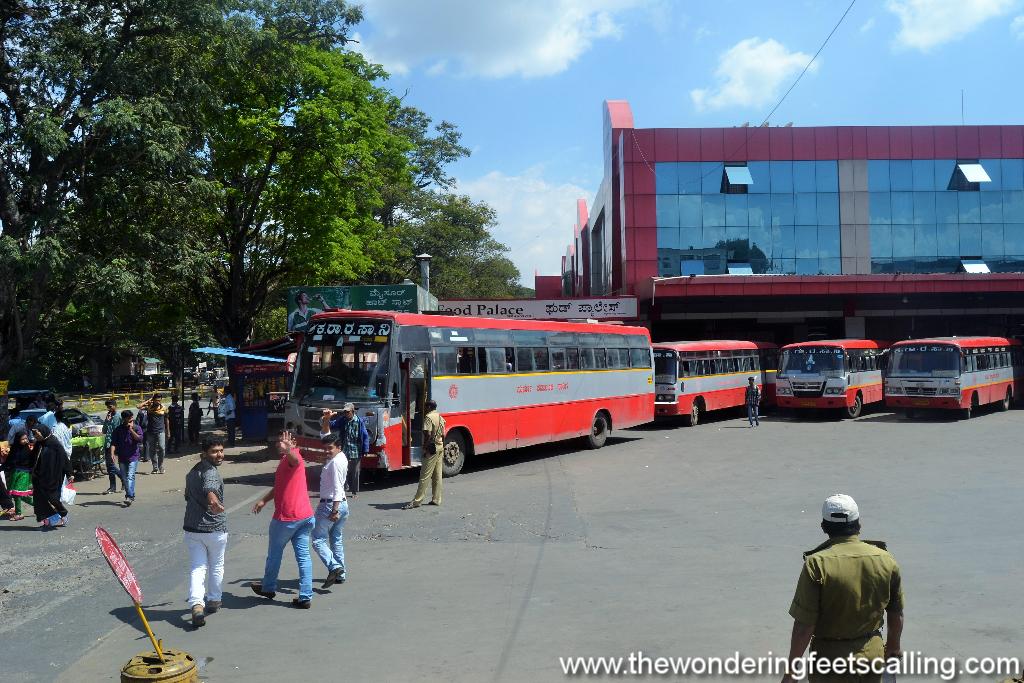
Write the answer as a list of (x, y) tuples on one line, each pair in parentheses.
[(212, 606), (109, 491), (257, 588), (332, 577), (410, 506), (301, 604), (128, 502), (198, 618)]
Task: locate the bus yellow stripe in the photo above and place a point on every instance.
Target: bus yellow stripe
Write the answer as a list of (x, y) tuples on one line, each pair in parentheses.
[(493, 375)]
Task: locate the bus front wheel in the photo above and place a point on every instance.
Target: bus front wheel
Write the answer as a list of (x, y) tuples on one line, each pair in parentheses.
[(857, 407), (967, 412), (1007, 400), (694, 418), (454, 457), (598, 431)]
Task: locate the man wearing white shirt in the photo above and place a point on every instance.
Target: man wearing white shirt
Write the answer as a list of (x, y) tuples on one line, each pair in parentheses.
[(227, 413), (60, 431), (332, 511)]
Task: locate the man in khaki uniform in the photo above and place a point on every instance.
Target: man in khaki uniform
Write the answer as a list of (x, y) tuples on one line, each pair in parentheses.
[(431, 468), (844, 588)]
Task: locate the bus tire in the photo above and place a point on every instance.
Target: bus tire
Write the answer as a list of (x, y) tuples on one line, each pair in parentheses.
[(909, 414), (598, 431), (455, 450), (695, 410), (1007, 400), (854, 411), (967, 412)]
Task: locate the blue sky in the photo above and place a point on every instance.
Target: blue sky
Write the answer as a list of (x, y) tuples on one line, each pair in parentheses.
[(524, 80)]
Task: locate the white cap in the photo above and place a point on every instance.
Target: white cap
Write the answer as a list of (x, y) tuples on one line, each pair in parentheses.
[(840, 508), (348, 407)]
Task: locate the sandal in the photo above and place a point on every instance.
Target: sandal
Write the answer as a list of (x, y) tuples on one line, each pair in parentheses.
[(17, 518)]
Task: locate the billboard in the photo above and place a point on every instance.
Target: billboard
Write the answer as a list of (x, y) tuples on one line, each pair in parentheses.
[(597, 308), (304, 302)]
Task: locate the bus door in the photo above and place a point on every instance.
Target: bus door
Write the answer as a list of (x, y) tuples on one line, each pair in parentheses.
[(414, 394)]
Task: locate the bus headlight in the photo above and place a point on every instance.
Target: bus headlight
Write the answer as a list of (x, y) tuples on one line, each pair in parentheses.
[(893, 389), (783, 391), (834, 390)]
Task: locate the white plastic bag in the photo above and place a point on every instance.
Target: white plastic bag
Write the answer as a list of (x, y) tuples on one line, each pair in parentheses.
[(68, 493)]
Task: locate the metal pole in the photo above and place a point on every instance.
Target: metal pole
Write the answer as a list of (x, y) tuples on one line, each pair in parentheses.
[(157, 646)]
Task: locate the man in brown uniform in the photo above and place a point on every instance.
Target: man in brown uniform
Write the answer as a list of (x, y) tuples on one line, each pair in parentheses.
[(845, 586), (432, 465)]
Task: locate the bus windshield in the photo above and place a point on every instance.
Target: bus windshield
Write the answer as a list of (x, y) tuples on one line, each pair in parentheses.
[(664, 366), (929, 360), (343, 361), (813, 360)]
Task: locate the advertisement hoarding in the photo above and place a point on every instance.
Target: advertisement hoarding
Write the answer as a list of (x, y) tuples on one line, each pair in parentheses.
[(304, 302), (597, 308)]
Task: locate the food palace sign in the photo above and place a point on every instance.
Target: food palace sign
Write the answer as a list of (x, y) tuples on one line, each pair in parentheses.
[(597, 308)]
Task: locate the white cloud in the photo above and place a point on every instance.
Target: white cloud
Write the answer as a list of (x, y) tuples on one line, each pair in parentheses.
[(528, 38), (924, 24), (750, 74), (1017, 26), (867, 25), (535, 217)]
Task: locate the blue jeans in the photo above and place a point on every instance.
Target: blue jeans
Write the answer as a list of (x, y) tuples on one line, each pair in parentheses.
[(752, 413), (128, 473), (327, 535), (298, 533), (113, 471)]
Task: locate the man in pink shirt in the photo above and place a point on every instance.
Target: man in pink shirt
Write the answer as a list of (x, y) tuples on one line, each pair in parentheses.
[(293, 521)]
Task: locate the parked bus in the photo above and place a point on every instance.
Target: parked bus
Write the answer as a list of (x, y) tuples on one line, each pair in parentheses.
[(954, 373), (499, 384), (692, 377), (844, 374)]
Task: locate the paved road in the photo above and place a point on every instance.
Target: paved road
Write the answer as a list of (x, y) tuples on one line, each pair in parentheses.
[(670, 540)]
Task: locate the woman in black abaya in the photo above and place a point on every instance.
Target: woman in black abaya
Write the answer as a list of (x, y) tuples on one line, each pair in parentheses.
[(52, 466)]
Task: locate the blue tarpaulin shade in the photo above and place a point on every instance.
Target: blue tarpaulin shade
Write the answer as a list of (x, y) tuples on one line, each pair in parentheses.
[(235, 354)]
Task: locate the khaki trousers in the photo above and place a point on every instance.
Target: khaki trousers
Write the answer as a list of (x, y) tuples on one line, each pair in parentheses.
[(430, 473)]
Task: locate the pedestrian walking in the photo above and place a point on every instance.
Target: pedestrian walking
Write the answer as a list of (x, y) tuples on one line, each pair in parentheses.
[(752, 398), (156, 432), (355, 440), (175, 424), (126, 445), (846, 589), (18, 468), (142, 422), (293, 522), (331, 512), (7, 509), (59, 431), (206, 532), (195, 419), (111, 421), (227, 414), (431, 467), (52, 469), (214, 407)]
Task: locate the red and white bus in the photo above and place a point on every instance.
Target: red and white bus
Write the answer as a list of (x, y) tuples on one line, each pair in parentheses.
[(692, 377), (845, 374), (498, 383), (954, 373)]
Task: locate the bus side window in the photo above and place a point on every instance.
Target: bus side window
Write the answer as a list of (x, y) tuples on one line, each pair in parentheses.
[(540, 358), (587, 359), (600, 359), (445, 360), (524, 360), (466, 360), (618, 358), (492, 361), (640, 358), (558, 359), (572, 359)]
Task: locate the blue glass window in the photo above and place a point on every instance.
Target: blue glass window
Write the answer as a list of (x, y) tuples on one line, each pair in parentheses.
[(668, 238), (991, 207), (666, 178), (1013, 206), (783, 242), (783, 212), (826, 176), (1012, 171), (759, 209), (878, 175), (761, 174), (714, 237), (924, 174), (690, 238), (807, 266), (782, 176), (711, 177), (902, 208), (689, 210), (828, 241), (689, 177), (783, 266), (881, 241), (902, 241), (1013, 239), (992, 240), (947, 239), (970, 206), (924, 208), (736, 209), (943, 172), (737, 238), (829, 266), (946, 208), (806, 241), (713, 209), (994, 169), (882, 265), (879, 208), (970, 240), (828, 208), (924, 240), (806, 208), (760, 238), (803, 176), (668, 210), (901, 175)]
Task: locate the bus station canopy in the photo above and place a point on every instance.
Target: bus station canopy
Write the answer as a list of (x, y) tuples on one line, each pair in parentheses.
[(232, 353)]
